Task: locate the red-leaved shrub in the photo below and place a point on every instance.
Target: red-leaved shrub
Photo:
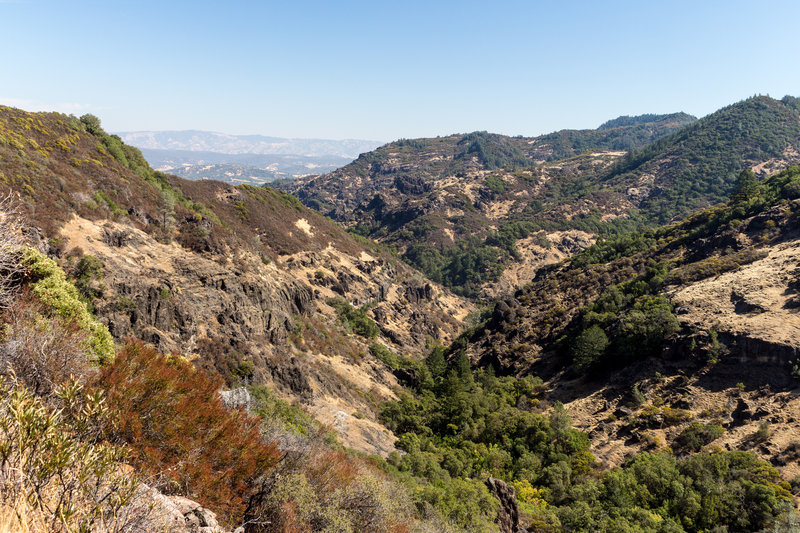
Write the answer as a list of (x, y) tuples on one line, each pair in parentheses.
[(180, 433)]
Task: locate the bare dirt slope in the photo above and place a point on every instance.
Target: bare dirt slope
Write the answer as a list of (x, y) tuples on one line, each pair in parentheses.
[(534, 253), (757, 301), (746, 388)]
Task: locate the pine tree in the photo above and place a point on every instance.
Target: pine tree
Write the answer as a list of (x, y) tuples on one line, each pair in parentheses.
[(747, 187), (436, 363)]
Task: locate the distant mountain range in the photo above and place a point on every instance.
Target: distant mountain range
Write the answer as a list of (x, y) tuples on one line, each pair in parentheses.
[(253, 159), (209, 141), (240, 168)]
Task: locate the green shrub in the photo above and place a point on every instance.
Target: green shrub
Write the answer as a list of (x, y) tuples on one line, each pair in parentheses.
[(496, 184), (125, 304), (275, 411), (53, 462), (102, 198), (382, 354), (354, 319), (50, 284), (588, 348), (763, 432), (86, 271), (466, 503), (697, 435)]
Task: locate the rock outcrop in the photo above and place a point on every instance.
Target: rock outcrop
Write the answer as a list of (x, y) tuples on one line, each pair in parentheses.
[(508, 514), (153, 511)]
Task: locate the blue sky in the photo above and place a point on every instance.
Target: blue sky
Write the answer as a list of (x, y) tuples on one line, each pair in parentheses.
[(385, 70)]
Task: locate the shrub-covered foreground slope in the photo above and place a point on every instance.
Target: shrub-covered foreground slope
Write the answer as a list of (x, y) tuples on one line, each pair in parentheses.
[(98, 437), (143, 442)]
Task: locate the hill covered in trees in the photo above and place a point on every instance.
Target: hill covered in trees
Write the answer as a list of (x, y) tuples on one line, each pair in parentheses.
[(668, 348), (463, 208)]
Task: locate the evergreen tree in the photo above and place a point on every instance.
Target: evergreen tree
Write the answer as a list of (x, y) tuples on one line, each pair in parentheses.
[(747, 186), (436, 363), (462, 366)]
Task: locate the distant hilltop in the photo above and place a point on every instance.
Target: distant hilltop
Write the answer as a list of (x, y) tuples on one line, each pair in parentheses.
[(209, 141)]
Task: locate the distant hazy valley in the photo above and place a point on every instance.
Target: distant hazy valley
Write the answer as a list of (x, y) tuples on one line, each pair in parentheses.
[(252, 159)]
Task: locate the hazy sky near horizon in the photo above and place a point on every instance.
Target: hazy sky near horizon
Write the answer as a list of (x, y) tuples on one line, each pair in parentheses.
[(385, 70)]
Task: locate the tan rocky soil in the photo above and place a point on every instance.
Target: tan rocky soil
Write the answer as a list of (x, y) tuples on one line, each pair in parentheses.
[(618, 428), (790, 156), (748, 391), (533, 256), (753, 301), (305, 226)]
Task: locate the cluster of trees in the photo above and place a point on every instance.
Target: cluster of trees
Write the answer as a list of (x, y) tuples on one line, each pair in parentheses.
[(474, 262), (627, 120), (704, 158), (464, 268), (633, 318), (354, 319), (626, 322), (493, 151), (460, 427), (623, 133)]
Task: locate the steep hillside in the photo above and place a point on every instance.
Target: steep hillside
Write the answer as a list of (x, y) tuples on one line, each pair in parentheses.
[(471, 198), (644, 335), (696, 167), (412, 167), (454, 206), (673, 351), (244, 280)]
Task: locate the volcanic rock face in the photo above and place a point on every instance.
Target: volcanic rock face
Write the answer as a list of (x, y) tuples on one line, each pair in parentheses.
[(273, 316), (172, 298), (508, 514)]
